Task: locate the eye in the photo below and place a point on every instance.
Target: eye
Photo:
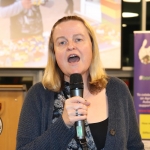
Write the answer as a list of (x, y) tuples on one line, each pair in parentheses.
[(62, 43), (78, 40)]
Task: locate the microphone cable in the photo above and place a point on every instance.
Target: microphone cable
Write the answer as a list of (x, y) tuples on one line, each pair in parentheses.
[(83, 144)]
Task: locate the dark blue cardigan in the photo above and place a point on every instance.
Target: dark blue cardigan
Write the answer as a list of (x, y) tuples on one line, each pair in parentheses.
[(36, 131)]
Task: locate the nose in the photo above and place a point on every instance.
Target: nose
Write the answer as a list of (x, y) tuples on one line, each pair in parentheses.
[(71, 45)]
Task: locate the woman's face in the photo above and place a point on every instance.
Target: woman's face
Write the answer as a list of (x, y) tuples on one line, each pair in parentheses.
[(73, 48)]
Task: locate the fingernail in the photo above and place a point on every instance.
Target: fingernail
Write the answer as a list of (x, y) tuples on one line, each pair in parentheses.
[(87, 103)]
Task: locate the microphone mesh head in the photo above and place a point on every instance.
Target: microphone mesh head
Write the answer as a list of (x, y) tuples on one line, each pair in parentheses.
[(76, 81)]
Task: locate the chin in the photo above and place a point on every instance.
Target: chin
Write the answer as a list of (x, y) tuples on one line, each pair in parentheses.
[(76, 71)]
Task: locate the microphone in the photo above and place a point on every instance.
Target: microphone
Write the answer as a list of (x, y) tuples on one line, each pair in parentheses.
[(76, 89)]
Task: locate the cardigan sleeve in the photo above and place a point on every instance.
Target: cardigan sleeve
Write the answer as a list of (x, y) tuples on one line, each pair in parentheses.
[(34, 131)]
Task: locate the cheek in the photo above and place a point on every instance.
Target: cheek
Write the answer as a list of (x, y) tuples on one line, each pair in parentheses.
[(90, 58), (59, 59), (89, 55)]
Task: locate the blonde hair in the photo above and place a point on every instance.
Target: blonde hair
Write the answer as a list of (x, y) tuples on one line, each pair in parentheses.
[(53, 78)]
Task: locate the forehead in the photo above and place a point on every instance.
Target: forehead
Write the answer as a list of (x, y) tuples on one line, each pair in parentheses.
[(70, 26)]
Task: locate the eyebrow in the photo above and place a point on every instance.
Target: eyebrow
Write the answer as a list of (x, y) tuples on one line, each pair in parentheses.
[(63, 37), (78, 35)]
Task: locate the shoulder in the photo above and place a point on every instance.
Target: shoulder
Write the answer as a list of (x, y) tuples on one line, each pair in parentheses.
[(117, 85), (38, 96), (36, 86), (118, 94), (114, 81), (38, 90)]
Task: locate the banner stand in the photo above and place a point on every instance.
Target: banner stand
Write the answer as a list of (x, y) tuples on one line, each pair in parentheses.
[(142, 83)]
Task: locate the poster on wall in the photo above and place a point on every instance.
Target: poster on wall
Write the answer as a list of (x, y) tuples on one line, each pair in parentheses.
[(25, 30), (142, 82)]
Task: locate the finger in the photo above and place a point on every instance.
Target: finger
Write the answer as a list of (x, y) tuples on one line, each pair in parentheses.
[(78, 99), (81, 112), (80, 106), (86, 102), (73, 119)]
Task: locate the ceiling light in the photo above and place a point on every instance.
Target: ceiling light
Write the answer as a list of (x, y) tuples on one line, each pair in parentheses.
[(132, 1), (128, 14), (124, 25)]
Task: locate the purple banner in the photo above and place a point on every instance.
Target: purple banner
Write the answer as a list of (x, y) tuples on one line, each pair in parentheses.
[(142, 80)]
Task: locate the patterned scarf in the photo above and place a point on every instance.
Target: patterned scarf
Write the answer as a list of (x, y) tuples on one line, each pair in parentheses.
[(58, 109)]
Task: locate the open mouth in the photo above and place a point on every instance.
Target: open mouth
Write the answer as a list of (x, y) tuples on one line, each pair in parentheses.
[(73, 58)]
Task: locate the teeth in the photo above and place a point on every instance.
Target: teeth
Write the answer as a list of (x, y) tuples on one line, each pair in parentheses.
[(73, 55)]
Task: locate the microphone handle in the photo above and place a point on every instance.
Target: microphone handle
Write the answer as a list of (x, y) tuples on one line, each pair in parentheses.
[(80, 127)]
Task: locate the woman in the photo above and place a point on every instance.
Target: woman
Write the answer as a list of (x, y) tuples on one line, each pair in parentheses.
[(49, 113)]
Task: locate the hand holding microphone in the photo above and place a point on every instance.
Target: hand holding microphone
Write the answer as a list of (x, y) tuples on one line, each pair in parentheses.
[(75, 109), (72, 106)]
